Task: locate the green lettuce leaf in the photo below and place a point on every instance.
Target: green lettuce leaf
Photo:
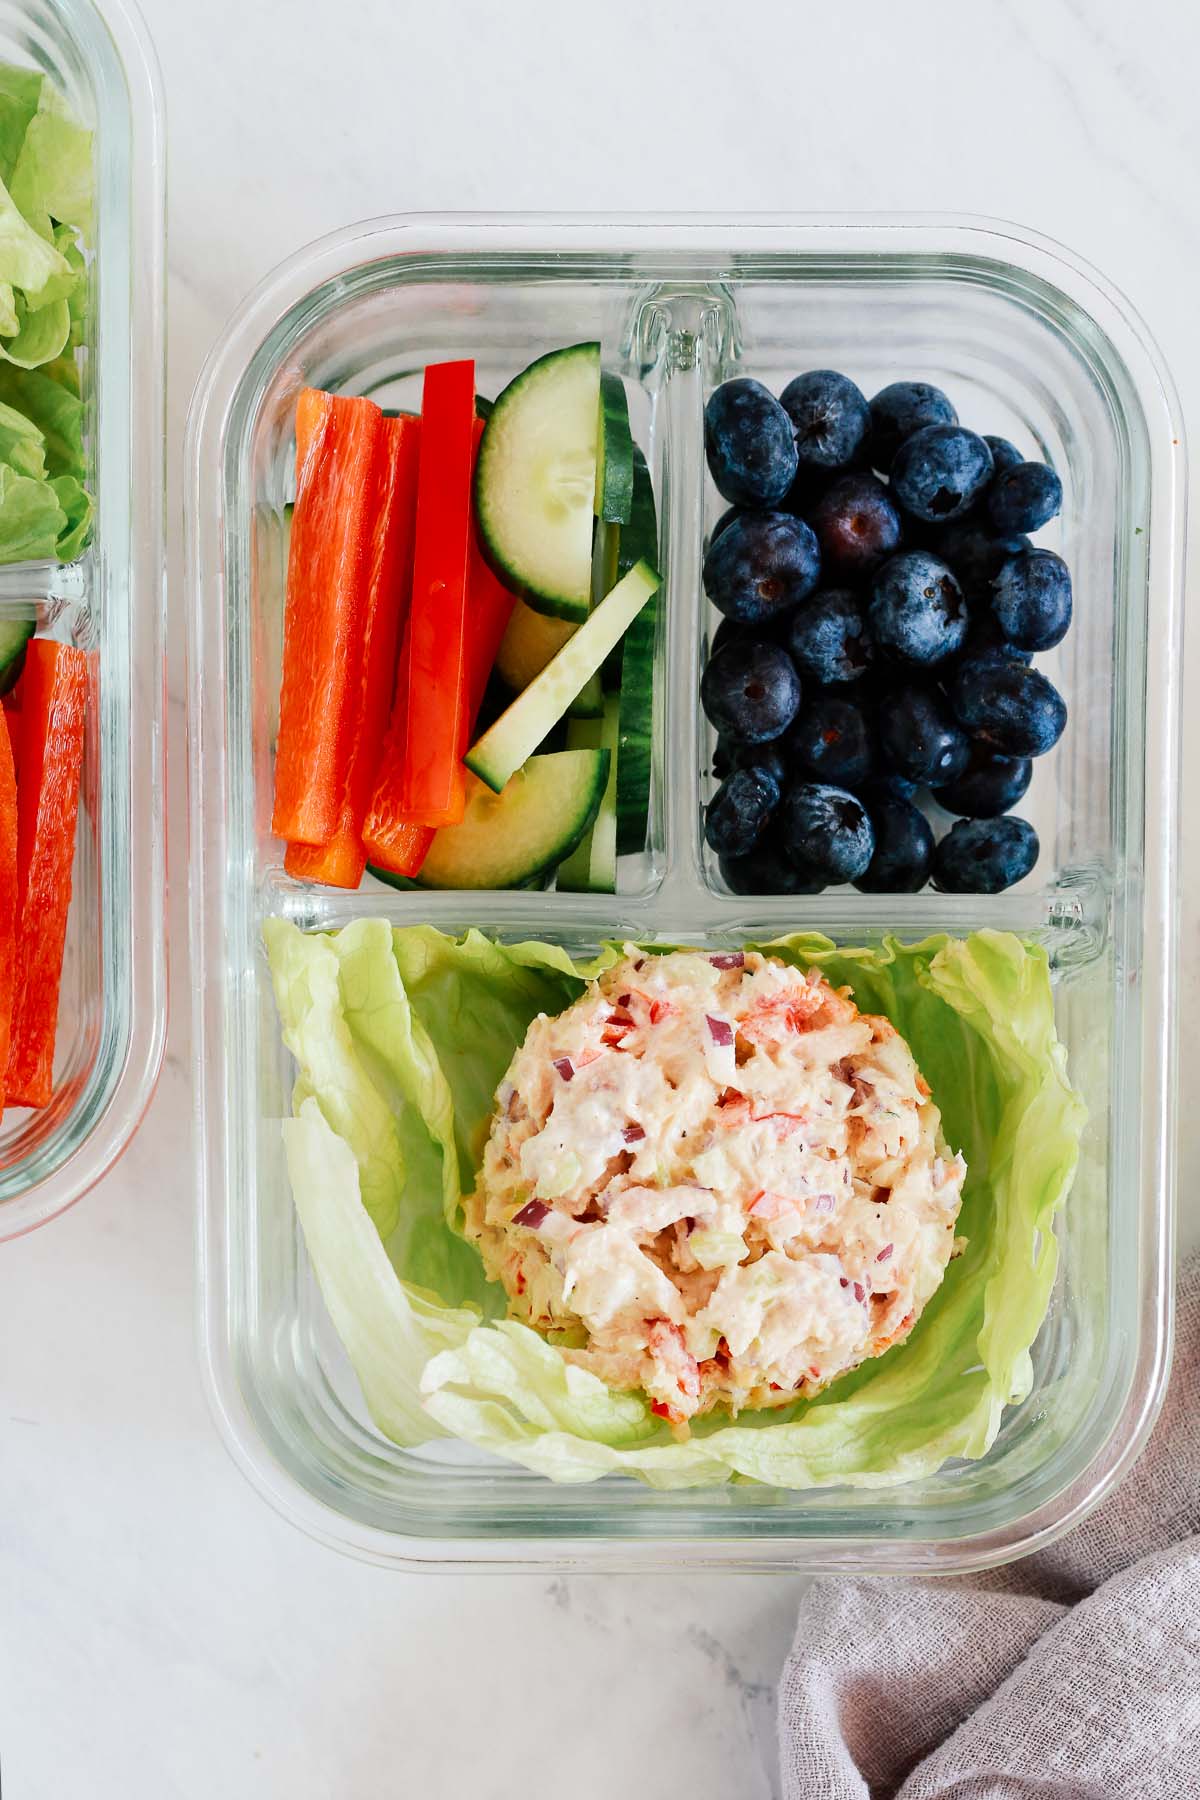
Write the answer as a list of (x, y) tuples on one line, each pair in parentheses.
[(49, 399), (53, 176), (70, 284), (40, 336), (79, 509), (46, 200), (31, 518), (20, 91), (401, 1037), (27, 258), (22, 445)]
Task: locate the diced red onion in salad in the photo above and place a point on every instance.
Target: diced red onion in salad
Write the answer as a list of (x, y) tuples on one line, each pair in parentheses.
[(633, 1134), (531, 1214), (885, 1253), (720, 1030), (565, 1067), (823, 1203), (728, 959), (860, 1292)]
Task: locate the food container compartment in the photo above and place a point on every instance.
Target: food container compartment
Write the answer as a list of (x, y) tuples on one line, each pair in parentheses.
[(112, 1011), (1030, 345)]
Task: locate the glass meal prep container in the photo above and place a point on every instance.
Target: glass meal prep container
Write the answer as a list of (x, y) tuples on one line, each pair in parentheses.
[(1029, 344), (112, 1008)]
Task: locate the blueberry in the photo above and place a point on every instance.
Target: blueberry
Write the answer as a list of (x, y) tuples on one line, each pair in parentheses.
[(1025, 497), (727, 517), (984, 856), (832, 742), (767, 871), (919, 738), (750, 691), (829, 637), (899, 410), (1031, 598), (988, 786), (766, 760), (806, 491), (830, 417), (985, 638), (917, 611), (762, 565), (903, 847), (1012, 708), (940, 471), (1004, 454), (737, 812), (728, 631), (888, 785), (750, 444), (976, 554), (857, 526), (826, 830)]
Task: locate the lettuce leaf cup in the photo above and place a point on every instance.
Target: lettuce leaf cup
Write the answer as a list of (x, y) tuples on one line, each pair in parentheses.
[(403, 1034)]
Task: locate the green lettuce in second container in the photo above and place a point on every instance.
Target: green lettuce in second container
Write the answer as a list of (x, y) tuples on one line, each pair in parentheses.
[(402, 1036)]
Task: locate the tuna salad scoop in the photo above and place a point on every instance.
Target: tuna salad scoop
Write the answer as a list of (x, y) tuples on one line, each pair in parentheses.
[(714, 1180)]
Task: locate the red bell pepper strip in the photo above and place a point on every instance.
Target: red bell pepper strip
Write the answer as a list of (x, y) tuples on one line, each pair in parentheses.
[(54, 685), (341, 861), (8, 892), (337, 441), (421, 778)]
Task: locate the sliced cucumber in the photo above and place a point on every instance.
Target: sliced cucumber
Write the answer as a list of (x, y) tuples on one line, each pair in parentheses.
[(585, 734), (505, 746), (592, 866), (14, 635), (530, 640), (614, 453), (589, 701), (635, 738), (638, 540), (535, 481), (605, 558), (509, 839)]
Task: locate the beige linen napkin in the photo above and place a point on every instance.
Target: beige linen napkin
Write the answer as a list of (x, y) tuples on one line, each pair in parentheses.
[(1073, 1675)]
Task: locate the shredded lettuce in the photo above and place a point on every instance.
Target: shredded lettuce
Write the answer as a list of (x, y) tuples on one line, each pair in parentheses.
[(401, 1037), (46, 202)]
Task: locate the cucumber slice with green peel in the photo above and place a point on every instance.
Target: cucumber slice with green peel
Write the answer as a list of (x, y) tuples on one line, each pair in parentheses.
[(605, 557), (635, 738), (510, 839), (592, 866), (535, 481), (614, 452), (14, 635), (638, 539), (589, 701), (506, 744), (585, 734), (530, 640)]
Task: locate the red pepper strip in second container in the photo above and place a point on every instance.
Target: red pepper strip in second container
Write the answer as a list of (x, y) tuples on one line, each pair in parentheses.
[(341, 861), (54, 685), (337, 441), (421, 779), (8, 892)]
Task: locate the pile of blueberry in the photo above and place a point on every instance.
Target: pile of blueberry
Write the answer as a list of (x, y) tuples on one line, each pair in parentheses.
[(882, 604)]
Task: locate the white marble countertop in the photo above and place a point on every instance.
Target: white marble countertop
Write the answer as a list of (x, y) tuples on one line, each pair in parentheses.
[(163, 1636)]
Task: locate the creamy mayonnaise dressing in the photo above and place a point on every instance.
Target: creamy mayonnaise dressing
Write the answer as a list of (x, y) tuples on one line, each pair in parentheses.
[(718, 1180)]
